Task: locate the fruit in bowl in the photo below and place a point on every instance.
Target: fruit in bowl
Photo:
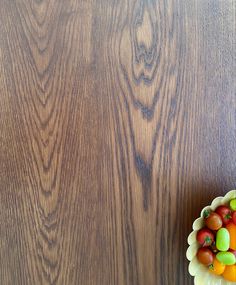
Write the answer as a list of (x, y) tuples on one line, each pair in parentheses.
[(212, 244)]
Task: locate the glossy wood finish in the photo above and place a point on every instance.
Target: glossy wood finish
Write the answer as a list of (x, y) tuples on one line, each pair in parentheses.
[(118, 125)]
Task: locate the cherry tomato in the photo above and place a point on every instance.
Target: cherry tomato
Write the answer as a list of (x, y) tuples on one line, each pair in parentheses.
[(231, 227), (223, 239), (205, 237), (217, 267), (205, 256), (234, 217), (225, 214), (226, 257), (213, 220), (230, 273)]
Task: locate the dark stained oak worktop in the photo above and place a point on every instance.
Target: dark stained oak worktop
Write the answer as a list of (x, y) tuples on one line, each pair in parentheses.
[(117, 125)]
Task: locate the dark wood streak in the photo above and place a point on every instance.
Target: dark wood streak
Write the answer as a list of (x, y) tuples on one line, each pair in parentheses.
[(149, 58), (142, 54)]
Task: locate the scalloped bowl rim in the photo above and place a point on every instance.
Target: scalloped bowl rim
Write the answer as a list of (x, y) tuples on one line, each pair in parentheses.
[(200, 273)]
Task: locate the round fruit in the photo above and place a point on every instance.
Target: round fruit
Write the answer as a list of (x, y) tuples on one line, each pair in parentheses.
[(233, 204), (226, 258), (213, 220), (230, 273), (217, 267), (205, 256), (231, 227), (234, 217), (222, 239), (205, 237), (225, 214)]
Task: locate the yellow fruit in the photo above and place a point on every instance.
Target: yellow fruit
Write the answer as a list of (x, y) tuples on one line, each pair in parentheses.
[(231, 227), (217, 267), (230, 273)]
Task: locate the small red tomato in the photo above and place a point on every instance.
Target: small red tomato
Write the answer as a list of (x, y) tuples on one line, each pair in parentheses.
[(225, 214), (234, 217), (213, 220), (205, 256), (205, 237)]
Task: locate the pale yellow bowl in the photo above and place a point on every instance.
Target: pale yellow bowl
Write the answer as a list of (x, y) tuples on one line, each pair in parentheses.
[(200, 272)]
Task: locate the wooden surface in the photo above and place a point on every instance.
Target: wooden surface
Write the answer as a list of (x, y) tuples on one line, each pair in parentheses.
[(117, 125)]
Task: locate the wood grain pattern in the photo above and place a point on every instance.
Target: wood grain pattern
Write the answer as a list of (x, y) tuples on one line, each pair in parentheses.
[(117, 125)]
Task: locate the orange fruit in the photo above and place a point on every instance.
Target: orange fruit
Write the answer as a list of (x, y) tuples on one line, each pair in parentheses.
[(217, 267), (230, 273), (231, 227)]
